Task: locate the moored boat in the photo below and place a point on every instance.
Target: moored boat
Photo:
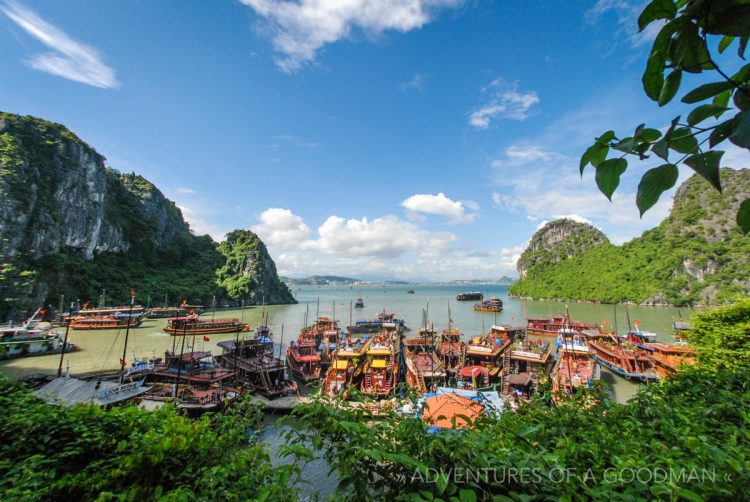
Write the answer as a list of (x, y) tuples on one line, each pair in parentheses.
[(491, 305), (32, 338), (450, 348), (550, 326), (347, 366), (381, 368), (303, 360), (164, 312), (424, 369), (194, 325), (118, 321), (469, 296), (575, 368), (668, 358), (360, 303), (624, 359)]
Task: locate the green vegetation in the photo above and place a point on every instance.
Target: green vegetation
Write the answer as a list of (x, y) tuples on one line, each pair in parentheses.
[(695, 33), (695, 256), (249, 271), (87, 453), (684, 438)]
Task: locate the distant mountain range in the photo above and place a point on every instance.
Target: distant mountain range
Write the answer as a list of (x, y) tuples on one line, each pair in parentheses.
[(504, 280), (318, 280), (326, 280)]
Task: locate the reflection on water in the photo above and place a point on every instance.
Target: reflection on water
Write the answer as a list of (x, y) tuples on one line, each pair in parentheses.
[(101, 350)]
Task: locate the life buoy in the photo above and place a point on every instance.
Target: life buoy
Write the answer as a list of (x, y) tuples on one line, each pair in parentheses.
[(644, 379)]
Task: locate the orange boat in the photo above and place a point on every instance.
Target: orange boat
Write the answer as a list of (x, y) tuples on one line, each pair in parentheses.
[(105, 322), (551, 326), (451, 349), (667, 357), (194, 325), (424, 370)]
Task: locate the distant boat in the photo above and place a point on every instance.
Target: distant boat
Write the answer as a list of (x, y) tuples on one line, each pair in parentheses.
[(410, 292), (465, 297), (194, 325), (360, 303), (491, 305)]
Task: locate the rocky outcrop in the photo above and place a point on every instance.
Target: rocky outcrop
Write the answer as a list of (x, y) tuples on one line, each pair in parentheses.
[(556, 241), (249, 273)]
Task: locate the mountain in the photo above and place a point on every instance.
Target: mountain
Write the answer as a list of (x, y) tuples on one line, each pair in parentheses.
[(316, 280), (696, 256), (503, 281), (70, 226)]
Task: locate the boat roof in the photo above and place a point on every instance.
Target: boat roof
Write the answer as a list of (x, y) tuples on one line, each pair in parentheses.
[(69, 391), (449, 411)]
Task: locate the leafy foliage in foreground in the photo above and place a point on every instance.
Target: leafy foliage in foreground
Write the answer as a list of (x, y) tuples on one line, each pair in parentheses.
[(687, 437), (86, 453), (694, 35)]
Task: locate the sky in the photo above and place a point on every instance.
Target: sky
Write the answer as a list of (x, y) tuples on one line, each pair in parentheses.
[(397, 139)]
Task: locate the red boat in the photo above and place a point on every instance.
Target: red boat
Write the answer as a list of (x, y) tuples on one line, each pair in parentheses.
[(451, 349), (194, 325), (105, 322), (303, 360), (626, 360), (381, 368), (424, 370), (550, 326)]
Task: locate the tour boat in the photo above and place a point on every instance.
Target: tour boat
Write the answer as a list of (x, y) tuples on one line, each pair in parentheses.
[(255, 367), (550, 326), (164, 312), (117, 321), (347, 366), (410, 292), (465, 297), (359, 304), (194, 325), (627, 361), (491, 305), (575, 368), (424, 370), (303, 360), (450, 348), (109, 311), (32, 338), (488, 351), (667, 357), (365, 326), (381, 369), (194, 367)]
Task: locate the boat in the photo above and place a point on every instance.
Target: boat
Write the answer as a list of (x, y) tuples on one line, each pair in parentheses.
[(33, 338), (637, 336), (365, 326), (165, 312), (624, 359), (194, 367), (424, 369), (359, 304), (450, 348), (575, 367), (194, 325), (410, 292), (347, 366), (550, 326), (491, 305), (116, 321), (465, 297), (381, 367), (668, 358), (253, 362), (488, 351), (303, 360), (108, 311)]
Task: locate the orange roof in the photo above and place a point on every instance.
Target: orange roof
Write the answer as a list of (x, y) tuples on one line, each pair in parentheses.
[(443, 409)]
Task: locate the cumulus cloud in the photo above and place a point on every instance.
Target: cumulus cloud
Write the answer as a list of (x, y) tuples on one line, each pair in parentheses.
[(626, 13), (300, 28), (281, 227), (416, 83), (441, 205), (69, 59), (504, 101)]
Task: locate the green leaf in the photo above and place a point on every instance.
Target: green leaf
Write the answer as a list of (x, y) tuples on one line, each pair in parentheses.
[(723, 98), (702, 112), (742, 47), (608, 175), (741, 134), (467, 495), (743, 216), (625, 145), (655, 182), (650, 135), (742, 101), (721, 132), (682, 140), (657, 9), (653, 76), (606, 137), (661, 148), (707, 165), (725, 42), (442, 483), (670, 87), (595, 154), (706, 91)]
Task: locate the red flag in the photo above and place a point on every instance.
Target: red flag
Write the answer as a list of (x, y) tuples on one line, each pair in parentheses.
[(605, 322), (206, 339), (637, 323), (86, 305), (122, 362), (132, 293), (42, 311)]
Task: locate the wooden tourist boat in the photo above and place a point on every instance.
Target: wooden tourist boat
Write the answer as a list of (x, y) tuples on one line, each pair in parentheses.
[(469, 296), (424, 369), (532, 357), (381, 367), (193, 399), (347, 366), (303, 360), (119, 321), (625, 360), (575, 368), (365, 326), (165, 312), (109, 311), (254, 365), (491, 305), (450, 349), (195, 367), (550, 326), (32, 338), (489, 351), (194, 325), (668, 358)]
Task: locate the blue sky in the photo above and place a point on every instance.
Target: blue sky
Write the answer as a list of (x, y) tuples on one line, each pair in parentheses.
[(421, 139)]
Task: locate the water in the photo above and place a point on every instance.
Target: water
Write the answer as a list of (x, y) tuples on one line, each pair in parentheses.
[(101, 350)]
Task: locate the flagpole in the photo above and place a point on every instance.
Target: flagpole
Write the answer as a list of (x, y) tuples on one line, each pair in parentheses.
[(65, 340), (127, 332)]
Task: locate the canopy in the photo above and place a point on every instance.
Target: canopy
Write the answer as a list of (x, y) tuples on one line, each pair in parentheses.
[(522, 379), (448, 409), (473, 371)]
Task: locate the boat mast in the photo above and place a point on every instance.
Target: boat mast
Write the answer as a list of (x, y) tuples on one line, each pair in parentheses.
[(65, 340), (627, 316), (179, 363), (569, 387), (213, 307), (317, 309), (127, 333)]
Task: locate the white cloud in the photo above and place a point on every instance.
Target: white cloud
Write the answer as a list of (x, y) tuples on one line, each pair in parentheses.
[(300, 28), (70, 59), (185, 190), (505, 101), (416, 83), (281, 227), (441, 205), (626, 13), (200, 224)]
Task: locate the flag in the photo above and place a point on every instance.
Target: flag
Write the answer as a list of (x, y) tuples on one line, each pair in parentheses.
[(206, 339), (42, 311), (132, 293), (605, 322), (86, 305), (637, 323), (122, 362)]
